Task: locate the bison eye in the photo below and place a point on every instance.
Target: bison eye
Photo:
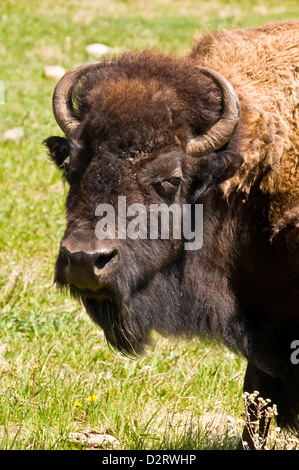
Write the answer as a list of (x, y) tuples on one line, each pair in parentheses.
[(65, 166), (171, 184), (168, 187), (174, 181)]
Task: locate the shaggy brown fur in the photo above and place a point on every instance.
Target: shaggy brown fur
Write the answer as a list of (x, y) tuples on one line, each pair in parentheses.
[(263, 65)]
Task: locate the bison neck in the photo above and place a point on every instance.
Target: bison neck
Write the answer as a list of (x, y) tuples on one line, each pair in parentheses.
[(195, 295), (221, 291), (229, 289)]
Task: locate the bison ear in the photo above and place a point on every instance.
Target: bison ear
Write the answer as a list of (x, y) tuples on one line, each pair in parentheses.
[(59, 149), (213, 170)]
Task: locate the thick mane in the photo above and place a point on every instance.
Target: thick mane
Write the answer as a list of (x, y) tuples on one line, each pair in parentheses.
[(262, 64), (139, 98)]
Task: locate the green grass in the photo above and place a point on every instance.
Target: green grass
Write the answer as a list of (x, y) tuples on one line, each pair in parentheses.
[(52, 358)]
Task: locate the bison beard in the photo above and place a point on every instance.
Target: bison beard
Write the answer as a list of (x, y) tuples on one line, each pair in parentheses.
[(163, 304), (124, 331), (117, 324)]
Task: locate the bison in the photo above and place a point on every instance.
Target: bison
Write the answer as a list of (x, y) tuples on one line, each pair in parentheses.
[(215, 128)]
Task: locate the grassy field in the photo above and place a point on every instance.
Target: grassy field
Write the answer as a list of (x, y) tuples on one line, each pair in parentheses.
[(57, 376)]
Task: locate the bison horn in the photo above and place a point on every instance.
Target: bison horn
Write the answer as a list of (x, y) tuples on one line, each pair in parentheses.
[(221, 132), (63, 108), (217, 136)]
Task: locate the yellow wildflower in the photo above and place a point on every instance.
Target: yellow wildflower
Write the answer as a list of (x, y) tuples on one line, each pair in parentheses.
[(92, 398)]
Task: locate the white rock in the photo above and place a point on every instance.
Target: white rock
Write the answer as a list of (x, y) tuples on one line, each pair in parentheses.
[(97, 50), (15, 134), (94, 440), (54, 71)]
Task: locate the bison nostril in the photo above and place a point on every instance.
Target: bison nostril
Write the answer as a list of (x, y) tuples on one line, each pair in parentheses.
[(105, 258)]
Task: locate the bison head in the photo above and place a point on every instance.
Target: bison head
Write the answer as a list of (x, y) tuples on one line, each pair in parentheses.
[(141, 131)]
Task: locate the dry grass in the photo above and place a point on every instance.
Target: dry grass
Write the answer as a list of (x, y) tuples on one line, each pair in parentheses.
[(257, 417)]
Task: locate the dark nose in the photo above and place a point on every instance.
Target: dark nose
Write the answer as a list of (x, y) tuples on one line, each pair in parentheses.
[(84, 268)]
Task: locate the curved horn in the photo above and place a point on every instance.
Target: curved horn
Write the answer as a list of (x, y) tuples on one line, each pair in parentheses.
[(63, 110), (221, 132)]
